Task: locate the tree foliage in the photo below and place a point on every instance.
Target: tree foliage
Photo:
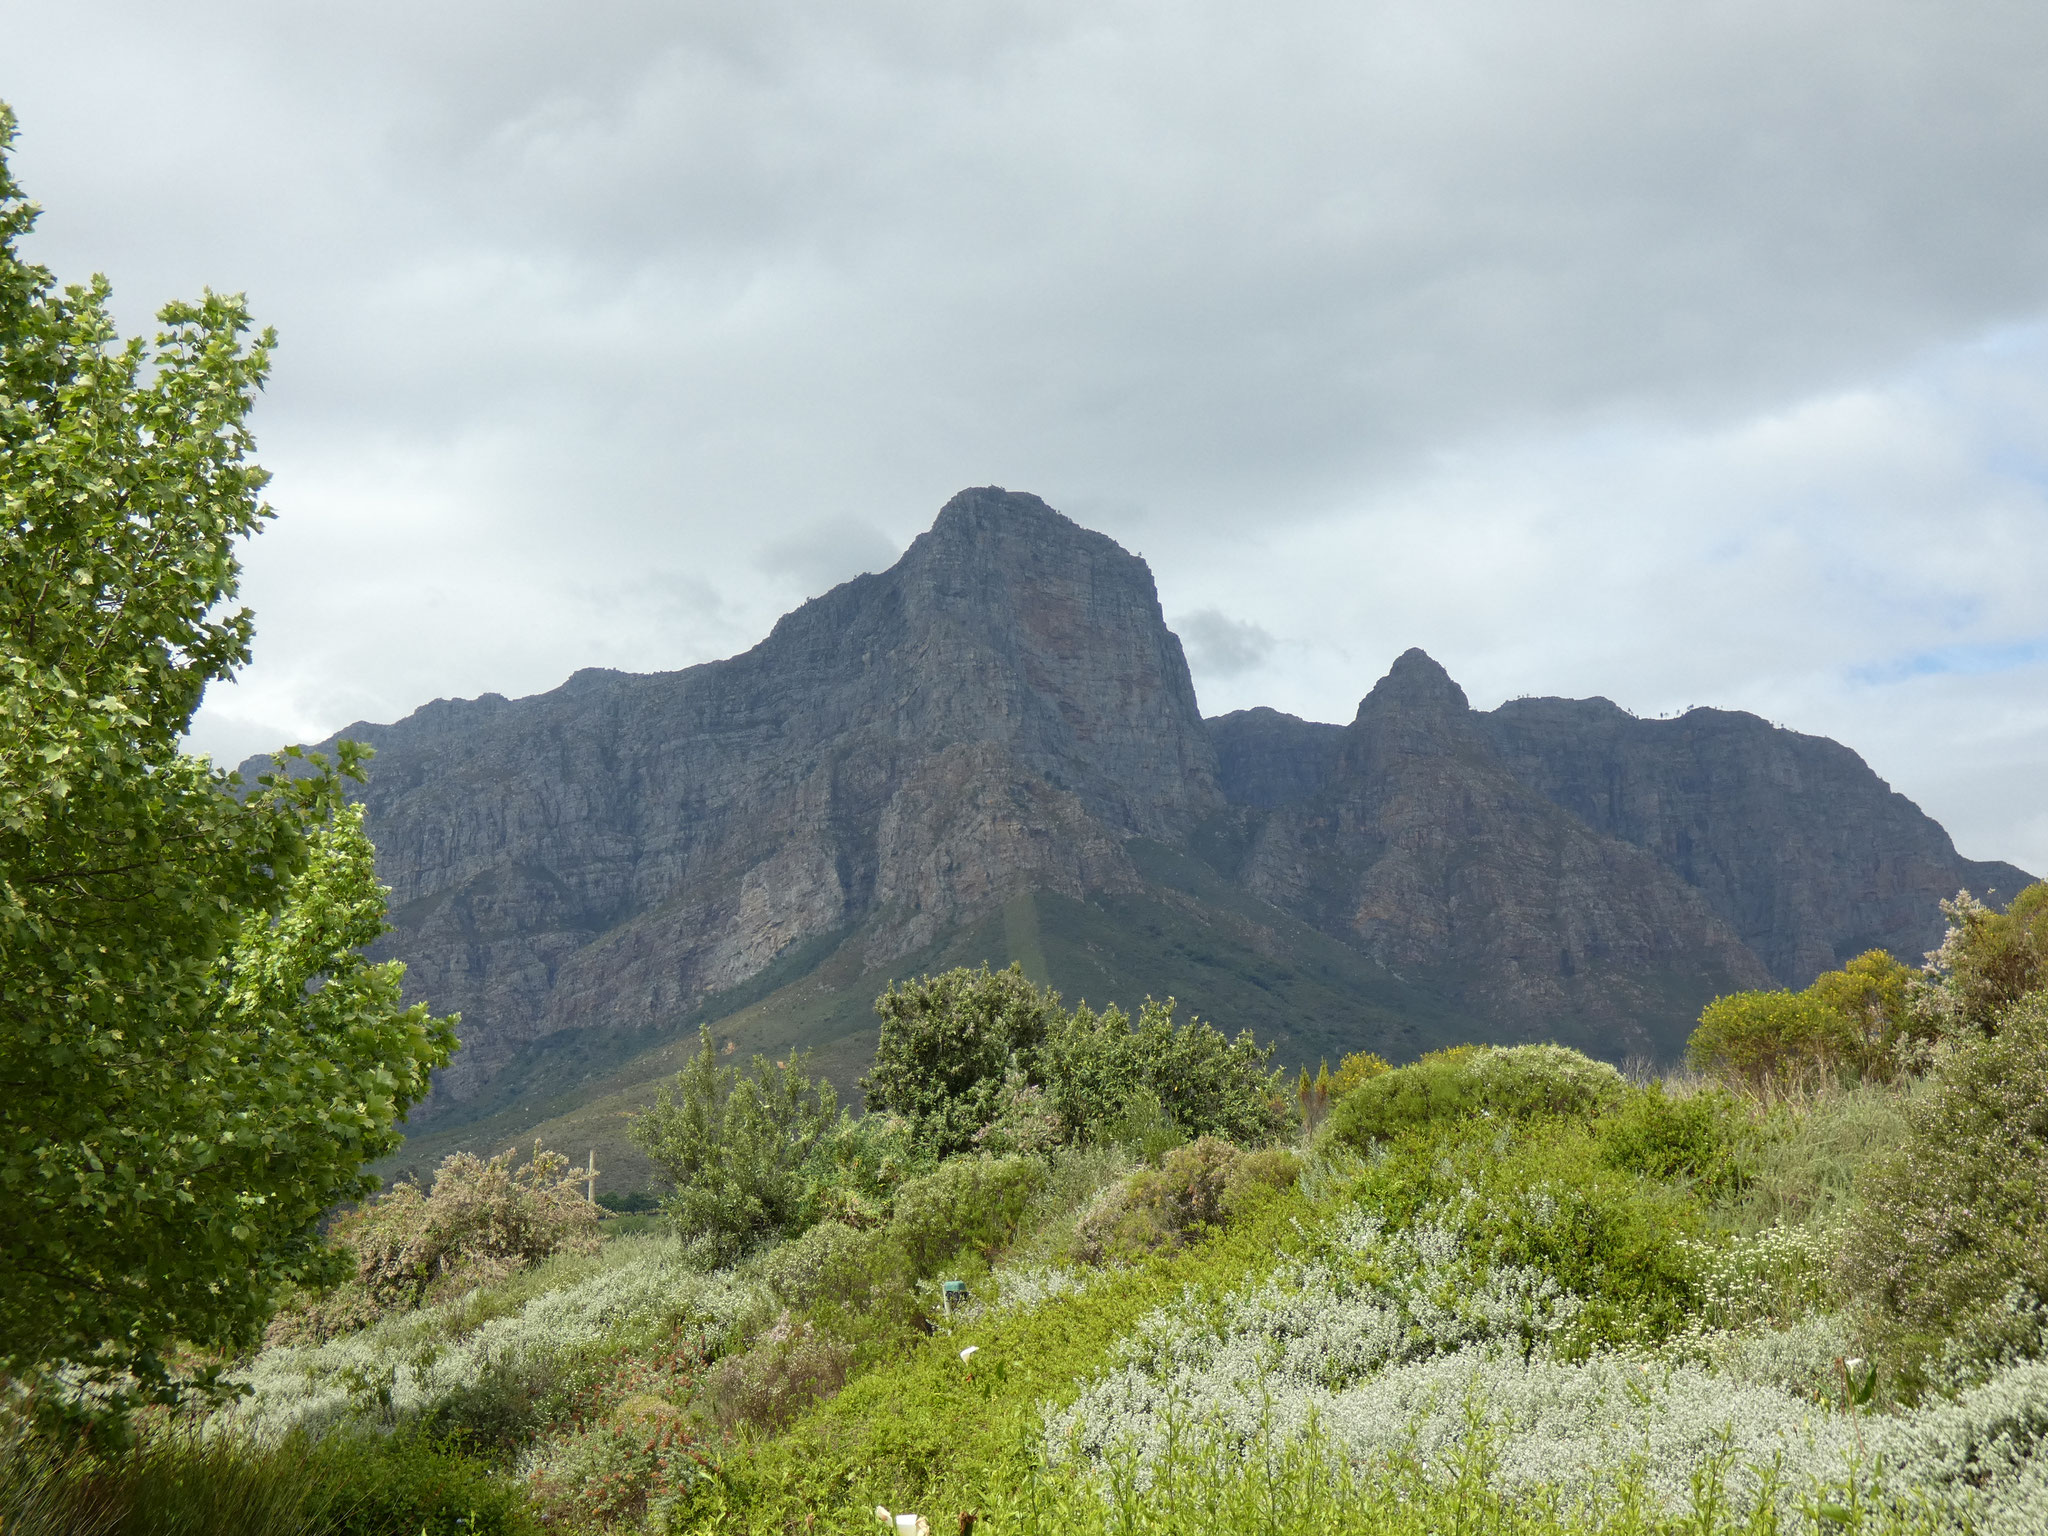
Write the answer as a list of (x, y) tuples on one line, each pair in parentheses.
[(1952, 1240), (1875, 1018), (1858, 1022), (1987, 961), (948, 1045), (743, 1150), (195, 1057), (984, 1058)]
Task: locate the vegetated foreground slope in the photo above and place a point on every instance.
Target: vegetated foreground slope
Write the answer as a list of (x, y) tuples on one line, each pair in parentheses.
[(1003, 717), (1498, 1289)]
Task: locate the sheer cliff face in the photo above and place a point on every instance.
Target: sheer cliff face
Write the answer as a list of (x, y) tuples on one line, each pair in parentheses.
[(1790, 841), (1000, 709), (1003, 711), (1422, 848), (1807, 854)]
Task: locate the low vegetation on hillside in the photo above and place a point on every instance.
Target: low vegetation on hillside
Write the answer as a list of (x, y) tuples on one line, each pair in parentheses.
[(1080, 1272)]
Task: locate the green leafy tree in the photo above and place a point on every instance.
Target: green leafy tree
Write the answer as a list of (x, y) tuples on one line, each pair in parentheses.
[(1872, 996), (1100, 1069), (985, 1059), (195, 1058), (744, 1151), (950, 1044)]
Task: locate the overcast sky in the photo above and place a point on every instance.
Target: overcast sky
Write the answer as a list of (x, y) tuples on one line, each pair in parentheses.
[(1681, 353)]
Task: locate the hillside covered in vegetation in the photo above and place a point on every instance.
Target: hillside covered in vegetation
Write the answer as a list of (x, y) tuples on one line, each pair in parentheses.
[(1085, 1272)]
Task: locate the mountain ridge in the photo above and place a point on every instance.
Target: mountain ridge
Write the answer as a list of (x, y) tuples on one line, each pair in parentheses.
[(1003, 717)]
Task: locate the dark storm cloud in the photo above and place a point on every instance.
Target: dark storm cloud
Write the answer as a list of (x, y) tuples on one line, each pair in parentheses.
[(1646, 350)]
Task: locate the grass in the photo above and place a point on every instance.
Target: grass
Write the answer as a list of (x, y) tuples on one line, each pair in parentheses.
[(177, 1481)]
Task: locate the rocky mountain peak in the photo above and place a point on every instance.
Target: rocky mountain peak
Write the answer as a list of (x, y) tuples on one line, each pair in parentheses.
[(1416, 682)]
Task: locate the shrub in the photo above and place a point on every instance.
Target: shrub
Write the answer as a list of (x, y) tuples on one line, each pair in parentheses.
[(968, 1205), (1952, 1239), (1514, 1083), (409, 1484), (480, 1222), (949, 1044), (1872, 994), (1195, 1188), (629, 1443), (1160, 1207), (739, 1149), (1102, 1074), (863, 1162), (805, 1270), (1314, 1096), (787, 1369), (407, 1366), (1707, 1139), (1987, 961), (1860, 1021), (1769, 1040)]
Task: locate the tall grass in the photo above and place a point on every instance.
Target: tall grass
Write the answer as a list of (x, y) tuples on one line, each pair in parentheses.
[(167, 1484), (175, 1481)]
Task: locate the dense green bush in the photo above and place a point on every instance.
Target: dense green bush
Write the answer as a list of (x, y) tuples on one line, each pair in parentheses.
[(1951, 1242), (948, 1046), (741, 1149), (1548, 1196), (1514, 1083), (981, 1060), (1098, 1068), (1707, 1139), (410, 1485), (967, 1205), (1767, 1040)]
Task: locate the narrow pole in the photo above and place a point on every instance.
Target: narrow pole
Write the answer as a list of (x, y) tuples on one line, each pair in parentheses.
[(590, 1190)]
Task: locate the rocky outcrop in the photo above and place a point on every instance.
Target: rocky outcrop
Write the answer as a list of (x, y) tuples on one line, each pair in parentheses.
[(1807, 856), (1265, 759), (1422, 848)]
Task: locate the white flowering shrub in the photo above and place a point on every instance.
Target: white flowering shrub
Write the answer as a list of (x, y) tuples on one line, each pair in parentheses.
[(1389, 1347), (1367, 1298), (412, 1363)]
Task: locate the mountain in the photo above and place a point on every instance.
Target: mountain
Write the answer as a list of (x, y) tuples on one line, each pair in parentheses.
[(992, 750), (1421, 848)]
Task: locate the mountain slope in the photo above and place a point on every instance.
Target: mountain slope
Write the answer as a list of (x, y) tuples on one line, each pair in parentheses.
[(1424, 851), (992, 751)]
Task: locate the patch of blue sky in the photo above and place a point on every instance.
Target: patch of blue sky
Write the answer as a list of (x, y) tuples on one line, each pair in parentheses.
[(1976, 659)]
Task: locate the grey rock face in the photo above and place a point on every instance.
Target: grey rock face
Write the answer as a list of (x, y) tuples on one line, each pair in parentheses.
[(1004, 711), (1265, 758), (1422, 848), (999, 709), (1809, 856), (1791, 841)]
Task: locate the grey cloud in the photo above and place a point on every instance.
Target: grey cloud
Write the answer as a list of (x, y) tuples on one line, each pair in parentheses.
[(1220, 646), (828, 552), (568, 294)]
